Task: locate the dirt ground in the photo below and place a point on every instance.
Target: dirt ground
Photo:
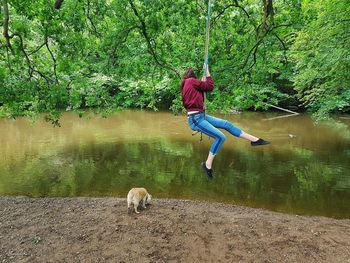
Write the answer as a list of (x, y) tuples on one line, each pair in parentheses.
[(101, 230)]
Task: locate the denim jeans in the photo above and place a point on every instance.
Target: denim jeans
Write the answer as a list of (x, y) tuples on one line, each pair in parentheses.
[(208, 125)]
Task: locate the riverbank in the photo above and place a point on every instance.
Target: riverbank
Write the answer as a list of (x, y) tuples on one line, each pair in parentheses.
[(101, 230)]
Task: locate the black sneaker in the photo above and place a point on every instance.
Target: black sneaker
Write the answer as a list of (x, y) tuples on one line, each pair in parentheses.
[(208, 172), (259, 142)]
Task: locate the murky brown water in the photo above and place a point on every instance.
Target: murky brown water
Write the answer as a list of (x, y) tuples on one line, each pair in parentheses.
[(305, 170)]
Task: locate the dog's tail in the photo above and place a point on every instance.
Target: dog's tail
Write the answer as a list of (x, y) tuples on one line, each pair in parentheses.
[(128, 198)]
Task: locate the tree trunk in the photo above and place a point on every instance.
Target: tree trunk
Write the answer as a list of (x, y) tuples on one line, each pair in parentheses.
[(268, 11), (58, 4), (6, 24)]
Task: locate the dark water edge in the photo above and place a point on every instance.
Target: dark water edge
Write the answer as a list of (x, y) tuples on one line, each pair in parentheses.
[(306, 174)]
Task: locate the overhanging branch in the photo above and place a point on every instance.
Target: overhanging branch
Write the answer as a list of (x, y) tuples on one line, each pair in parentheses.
[(52, 57), (235, 4), (150, 48), (30, 67), (260, 40)]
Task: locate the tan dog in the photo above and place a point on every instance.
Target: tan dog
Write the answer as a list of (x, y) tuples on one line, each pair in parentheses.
[(135, 195)]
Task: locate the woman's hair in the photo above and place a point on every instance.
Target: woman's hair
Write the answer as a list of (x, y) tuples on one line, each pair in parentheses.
[(189, 73)]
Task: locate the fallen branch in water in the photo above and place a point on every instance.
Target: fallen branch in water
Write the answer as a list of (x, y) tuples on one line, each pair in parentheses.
[(279, 108)]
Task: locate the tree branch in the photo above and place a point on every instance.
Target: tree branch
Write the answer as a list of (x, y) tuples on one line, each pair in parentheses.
[(43, 76), (281, 25), (226, 7), (58, 4), (53, 58), (37, 49), (144, 32), (125, 37), (268, 12), (90, 19), (242, 8), (255, 47), (30, 67), (284, 47), (8, 59), (6, 25), (259, 42)]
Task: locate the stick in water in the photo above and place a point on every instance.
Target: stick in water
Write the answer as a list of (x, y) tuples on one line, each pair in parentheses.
[(279, 108)]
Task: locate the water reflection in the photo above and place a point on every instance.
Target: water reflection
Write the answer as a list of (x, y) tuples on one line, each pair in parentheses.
[(306, 173)]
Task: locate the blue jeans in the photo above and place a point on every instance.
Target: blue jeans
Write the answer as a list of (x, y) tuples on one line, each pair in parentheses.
[(208, 125)]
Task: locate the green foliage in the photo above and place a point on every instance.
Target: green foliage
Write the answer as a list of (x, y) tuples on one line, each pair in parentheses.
[(322, 57), (130, 53)]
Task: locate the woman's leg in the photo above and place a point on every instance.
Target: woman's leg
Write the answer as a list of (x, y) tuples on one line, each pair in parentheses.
[(209, 161), (235, 131), (248, 137), (219, 138), (224, 124), (209, 125)]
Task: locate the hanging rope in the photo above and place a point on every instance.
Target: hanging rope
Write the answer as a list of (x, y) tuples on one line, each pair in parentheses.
[(206, 53), (207, 30), (206, 63), (206, 56)]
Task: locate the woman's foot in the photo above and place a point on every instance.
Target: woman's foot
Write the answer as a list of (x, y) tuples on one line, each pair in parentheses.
[(208, 172), (259, 142)]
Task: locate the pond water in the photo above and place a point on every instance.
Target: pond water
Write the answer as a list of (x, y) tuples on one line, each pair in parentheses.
[(304, 171)]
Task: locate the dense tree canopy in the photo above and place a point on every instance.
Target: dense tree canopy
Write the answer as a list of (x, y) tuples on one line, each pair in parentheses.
[(72, 55)]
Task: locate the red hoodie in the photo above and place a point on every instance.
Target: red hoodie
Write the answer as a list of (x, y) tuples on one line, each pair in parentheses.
[(192, 93)]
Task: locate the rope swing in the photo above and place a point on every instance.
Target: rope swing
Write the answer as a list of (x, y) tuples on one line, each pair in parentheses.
[(206, 57), (206, 63), (207, 29)]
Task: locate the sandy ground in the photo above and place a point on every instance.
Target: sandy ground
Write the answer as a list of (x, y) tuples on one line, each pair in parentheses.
[(101, 230)]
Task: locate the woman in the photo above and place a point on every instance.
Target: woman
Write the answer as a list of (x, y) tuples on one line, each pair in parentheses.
[(192, 91)]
